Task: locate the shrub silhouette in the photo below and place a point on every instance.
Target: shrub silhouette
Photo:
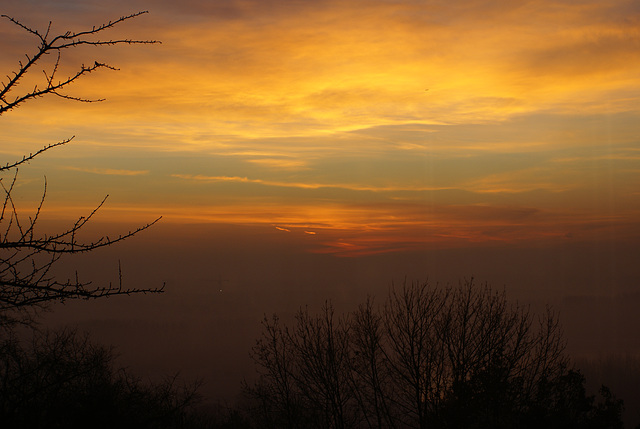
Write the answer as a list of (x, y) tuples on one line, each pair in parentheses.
[(61, 379)]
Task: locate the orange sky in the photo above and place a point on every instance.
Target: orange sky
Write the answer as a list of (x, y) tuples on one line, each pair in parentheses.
[(364, 126), (305, 150)]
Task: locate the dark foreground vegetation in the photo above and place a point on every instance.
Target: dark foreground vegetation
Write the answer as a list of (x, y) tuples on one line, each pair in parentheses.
[(64, 380), (428, 357)]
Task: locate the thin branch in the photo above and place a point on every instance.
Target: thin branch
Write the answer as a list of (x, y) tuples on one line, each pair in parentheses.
[(29, 157), (66, 40), (27, 257)]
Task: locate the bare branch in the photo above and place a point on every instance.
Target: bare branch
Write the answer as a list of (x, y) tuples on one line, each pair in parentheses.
[(56, 44), (31, 156), (27, 255)]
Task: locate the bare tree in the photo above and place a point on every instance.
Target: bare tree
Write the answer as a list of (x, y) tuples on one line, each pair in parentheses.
[(279, 399), (434, 357), (321, 344), (371, 379), (304, 373), (28, 255), (414, 354), (495, 356)]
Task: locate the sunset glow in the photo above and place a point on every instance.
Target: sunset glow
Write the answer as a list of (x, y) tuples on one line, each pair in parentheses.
[(367, 126), (250, 158)]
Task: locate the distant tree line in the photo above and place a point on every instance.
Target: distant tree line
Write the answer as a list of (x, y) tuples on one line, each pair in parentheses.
[(428, 357)]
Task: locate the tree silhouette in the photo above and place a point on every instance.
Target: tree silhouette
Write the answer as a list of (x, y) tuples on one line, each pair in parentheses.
[(371, 378), (305, 373), (280, 402), (27, 255), (430, 357), (61, 379)]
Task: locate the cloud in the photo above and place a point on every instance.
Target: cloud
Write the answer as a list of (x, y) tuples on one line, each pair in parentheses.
[(301, 185), (523, 180), (279, 163), (277, 69), (315, 115), (109, 171)]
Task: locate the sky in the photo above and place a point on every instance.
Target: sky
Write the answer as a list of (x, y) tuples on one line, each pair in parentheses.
[(304, 150)]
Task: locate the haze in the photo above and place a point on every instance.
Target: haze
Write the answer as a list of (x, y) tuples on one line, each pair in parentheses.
[(303, 151)]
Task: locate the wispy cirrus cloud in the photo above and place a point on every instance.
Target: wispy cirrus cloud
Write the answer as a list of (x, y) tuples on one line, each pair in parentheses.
[(109, 171), (300, 185), (280, 163)]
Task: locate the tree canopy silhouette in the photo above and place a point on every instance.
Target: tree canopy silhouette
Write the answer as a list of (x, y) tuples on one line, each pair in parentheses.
[(429, 357), (28, 255), (62, 379)]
